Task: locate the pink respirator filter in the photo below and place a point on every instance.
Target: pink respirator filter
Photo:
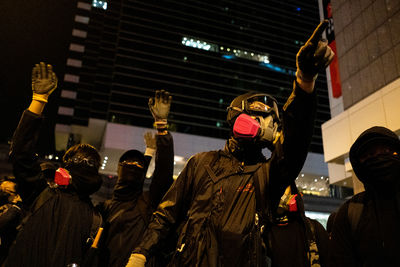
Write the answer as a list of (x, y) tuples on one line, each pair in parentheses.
[(62, 177), (245, 127)]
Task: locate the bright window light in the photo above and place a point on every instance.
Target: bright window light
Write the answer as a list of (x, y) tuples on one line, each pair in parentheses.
[(100, 4), (233, 53), (199, 44)]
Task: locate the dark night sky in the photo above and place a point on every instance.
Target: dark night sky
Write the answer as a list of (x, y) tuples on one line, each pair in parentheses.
[(31, 31)]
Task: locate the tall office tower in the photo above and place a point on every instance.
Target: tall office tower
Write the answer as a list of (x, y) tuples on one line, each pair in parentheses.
[(368, 49), (204, 52)]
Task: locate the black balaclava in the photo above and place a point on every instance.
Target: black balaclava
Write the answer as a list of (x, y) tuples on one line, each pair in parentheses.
[(380, 173), (246, 149), (83, 162), (130, 176)]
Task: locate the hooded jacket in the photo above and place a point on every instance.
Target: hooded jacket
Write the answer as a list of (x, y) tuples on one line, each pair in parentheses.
[(128, 213), (375, 240), (56, 233), (290, 239), (212, 202)]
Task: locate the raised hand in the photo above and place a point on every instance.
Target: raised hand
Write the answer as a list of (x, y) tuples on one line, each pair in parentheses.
[(314, 56), (44, 81), (159, 108)]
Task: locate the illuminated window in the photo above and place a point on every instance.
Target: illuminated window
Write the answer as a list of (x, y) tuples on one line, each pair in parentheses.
[(234, 53), (100, 4), (199, 44)]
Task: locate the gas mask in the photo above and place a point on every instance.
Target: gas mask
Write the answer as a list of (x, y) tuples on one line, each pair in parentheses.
[(259, 128), (257, 119), (288, 206)]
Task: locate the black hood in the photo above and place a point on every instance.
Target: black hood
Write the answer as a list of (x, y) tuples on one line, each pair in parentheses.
[(130, 177), (373, 135)]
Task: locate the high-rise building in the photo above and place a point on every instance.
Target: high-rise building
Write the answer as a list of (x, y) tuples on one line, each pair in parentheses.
[(368, 50), (204, 52)]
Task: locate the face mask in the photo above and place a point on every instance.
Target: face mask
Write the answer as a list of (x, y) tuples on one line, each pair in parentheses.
[(262, 129), (381, 171), (130, 175), (62, 177), (246, 127), (86, 180), (130, 182)]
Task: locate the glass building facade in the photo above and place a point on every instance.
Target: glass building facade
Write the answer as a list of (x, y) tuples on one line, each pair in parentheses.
[(204, 52)]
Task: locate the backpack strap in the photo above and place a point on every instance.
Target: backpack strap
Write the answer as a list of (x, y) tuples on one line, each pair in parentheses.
[(97, 222), (261, 181), (313, 253), (206, 163)]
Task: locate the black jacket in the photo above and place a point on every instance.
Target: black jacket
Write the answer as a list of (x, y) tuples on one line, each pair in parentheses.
[(375, 241), (291, 238), (373, 238), (289, 246), (56, 233), (213, 199), (128, 217)]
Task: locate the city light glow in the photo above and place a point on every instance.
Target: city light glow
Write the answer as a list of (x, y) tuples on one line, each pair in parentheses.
[(100, 4)]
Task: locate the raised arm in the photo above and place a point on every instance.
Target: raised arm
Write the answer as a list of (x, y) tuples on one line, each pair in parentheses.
[(164, 162), (174, 204), (299, 114), (22, 152)]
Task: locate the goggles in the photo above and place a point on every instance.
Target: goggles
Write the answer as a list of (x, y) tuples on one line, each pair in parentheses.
[(131, 164), (83, 160), (259, 104)]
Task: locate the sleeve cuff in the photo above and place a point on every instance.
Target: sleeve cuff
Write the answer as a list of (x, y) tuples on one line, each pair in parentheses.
[(149, 152)]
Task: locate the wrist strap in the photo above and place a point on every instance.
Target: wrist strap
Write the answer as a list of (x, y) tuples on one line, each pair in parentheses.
[(161, 124), (40, 97)]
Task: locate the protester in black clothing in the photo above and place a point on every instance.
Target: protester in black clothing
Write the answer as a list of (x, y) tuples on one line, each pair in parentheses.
[(366, 230), (213, 201), (129, 211), (296, 240), (11, 213), (61, 217)]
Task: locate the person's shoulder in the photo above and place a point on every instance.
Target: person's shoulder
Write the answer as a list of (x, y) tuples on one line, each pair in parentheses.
[(206, 155), (357, 198)]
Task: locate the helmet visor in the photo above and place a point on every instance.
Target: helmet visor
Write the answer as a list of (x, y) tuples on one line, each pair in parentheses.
[(260, 104)]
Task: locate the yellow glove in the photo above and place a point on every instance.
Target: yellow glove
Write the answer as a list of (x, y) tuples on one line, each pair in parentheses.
[(44, 81), (136, 260), (151, 144)]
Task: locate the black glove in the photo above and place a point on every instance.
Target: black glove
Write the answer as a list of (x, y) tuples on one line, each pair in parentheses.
[(44, 81), (159, 108), (315, 55)]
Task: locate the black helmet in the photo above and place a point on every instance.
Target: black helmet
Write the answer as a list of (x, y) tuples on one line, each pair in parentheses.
[(242, 104)]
